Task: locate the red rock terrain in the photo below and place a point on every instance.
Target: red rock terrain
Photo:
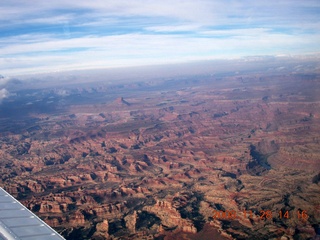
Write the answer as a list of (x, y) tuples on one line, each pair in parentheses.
[(202, 158)]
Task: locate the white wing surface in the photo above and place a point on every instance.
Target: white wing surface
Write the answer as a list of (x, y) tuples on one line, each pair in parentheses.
[(19, 223)]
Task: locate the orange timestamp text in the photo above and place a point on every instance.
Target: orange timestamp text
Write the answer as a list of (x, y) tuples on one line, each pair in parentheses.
[(262, 215)]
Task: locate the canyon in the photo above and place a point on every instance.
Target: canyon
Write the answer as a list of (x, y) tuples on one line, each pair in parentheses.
[(201, 157)]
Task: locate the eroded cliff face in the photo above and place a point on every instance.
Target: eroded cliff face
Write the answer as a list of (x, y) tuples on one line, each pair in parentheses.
[(162, 163)]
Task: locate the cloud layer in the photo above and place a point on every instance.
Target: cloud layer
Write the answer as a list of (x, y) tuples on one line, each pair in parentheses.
[(61, 35)]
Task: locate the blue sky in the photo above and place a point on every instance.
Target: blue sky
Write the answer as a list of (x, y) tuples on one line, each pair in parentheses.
[(43, 36)]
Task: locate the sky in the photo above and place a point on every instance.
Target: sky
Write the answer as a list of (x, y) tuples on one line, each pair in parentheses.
[(51, 36)]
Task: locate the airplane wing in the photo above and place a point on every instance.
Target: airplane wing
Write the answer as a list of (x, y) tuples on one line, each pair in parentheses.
[(19, 223)]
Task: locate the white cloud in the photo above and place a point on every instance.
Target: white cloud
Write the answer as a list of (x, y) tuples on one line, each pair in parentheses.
[(154, 31), (3, 81), (142, 49), (4, 93), (206, 12), (173, 28)]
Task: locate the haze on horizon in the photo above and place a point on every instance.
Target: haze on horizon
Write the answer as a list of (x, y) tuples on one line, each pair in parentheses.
[(68, 35)]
